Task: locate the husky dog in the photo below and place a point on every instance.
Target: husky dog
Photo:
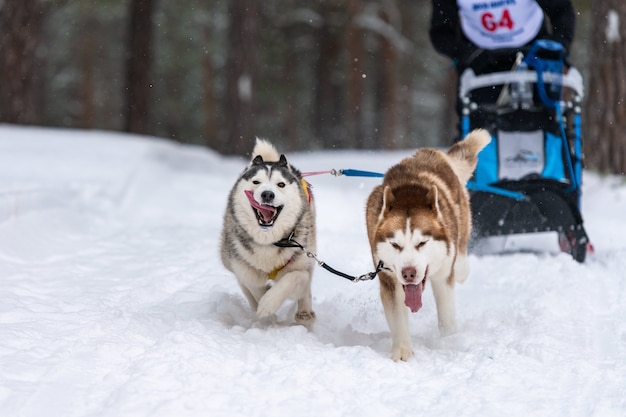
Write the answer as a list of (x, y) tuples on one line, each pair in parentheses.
[(418, 225), (271, 204)]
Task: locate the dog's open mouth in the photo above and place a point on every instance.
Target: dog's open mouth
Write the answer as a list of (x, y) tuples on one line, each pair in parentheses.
[(266, 215), (413, 295)]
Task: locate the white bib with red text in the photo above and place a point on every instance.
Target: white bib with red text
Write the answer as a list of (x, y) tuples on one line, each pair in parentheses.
[(494, 24)]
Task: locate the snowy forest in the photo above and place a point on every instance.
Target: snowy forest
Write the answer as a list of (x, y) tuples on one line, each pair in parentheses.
[(343, 74)]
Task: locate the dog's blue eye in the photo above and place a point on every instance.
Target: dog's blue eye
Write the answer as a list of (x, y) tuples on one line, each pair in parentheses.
[(281, 185)]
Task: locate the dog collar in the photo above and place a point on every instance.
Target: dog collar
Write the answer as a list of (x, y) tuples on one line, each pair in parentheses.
[(288, 242)]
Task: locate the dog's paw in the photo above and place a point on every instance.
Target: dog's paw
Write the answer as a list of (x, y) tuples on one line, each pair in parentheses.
[(305, 317), (401, 353), (268, 305)]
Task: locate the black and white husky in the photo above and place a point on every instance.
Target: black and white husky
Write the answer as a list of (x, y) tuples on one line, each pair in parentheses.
[(270, 203)]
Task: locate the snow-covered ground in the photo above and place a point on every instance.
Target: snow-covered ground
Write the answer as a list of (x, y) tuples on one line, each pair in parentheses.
[(113, 300)]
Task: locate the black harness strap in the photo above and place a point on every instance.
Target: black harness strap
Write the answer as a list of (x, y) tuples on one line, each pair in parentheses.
[(289, 242), (365, 277)]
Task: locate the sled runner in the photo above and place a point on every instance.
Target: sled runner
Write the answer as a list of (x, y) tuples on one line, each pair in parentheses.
[(528, 179)]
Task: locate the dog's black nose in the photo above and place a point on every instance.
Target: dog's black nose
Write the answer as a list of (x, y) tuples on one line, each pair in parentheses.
[(267, 196), (409, 274)]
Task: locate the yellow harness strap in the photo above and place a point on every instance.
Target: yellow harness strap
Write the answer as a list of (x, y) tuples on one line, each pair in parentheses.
[(307, 189), (272, 274)]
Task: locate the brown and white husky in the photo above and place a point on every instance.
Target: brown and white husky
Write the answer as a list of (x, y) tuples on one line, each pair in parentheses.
[(419, 225)]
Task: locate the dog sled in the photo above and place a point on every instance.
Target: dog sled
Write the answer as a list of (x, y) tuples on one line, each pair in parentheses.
[(528, 179)]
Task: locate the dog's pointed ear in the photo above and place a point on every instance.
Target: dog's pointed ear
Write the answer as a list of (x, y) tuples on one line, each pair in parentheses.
[(282, 161), (388, 202), (433, 198), (258, 160)]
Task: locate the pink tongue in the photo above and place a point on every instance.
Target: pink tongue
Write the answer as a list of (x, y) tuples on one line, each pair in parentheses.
[(413, 297), (266, 211)]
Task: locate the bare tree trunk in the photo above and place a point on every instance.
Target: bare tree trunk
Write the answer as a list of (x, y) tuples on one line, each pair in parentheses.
[(290, 113), (87, 50), (209, 99), (605, 111), (327, 111), (388, 93), (242, 47), (138, 66), (20, 32), (407, 67), (356, 73), (450, 131)]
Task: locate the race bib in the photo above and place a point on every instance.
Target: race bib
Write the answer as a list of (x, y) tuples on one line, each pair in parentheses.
[(494, 24)]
